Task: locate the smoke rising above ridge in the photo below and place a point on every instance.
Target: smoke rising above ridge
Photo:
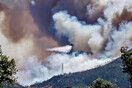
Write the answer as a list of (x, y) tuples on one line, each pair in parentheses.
[(96, 28)]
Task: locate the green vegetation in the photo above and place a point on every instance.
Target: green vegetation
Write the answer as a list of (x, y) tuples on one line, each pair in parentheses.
[(7, 70), (100, 83), (14, 86), (126, 58), (110, 72)]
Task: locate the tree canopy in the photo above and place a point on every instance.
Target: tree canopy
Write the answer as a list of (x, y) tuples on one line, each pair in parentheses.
[(7, 70), (126, 57), (100, 83)]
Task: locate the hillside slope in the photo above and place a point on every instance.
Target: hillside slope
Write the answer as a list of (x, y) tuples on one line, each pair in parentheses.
[(110, 72), (14, 86)]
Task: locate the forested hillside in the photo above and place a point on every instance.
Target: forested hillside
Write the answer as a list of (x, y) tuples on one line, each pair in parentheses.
[(110, 72)]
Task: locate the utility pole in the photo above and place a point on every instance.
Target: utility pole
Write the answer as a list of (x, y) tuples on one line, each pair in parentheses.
[(62, 69)]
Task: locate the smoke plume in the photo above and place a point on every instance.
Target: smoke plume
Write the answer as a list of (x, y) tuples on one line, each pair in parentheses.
[(19, 35), (96, 29)]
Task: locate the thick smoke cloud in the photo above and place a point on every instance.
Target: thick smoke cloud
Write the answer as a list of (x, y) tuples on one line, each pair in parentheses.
[(86, 10), (96, 28), (87, 37), (19, 35), (43, 10), (18, 26), (13, 16), (81, 36)]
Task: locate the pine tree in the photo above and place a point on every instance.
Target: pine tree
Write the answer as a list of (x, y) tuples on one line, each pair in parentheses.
[(7, 70), (100, 83), (126, 57)]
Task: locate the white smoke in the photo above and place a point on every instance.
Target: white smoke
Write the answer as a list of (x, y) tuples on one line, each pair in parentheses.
[(81, 36), (33, 72), (98, 37), (76, 62), (112, 9)]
